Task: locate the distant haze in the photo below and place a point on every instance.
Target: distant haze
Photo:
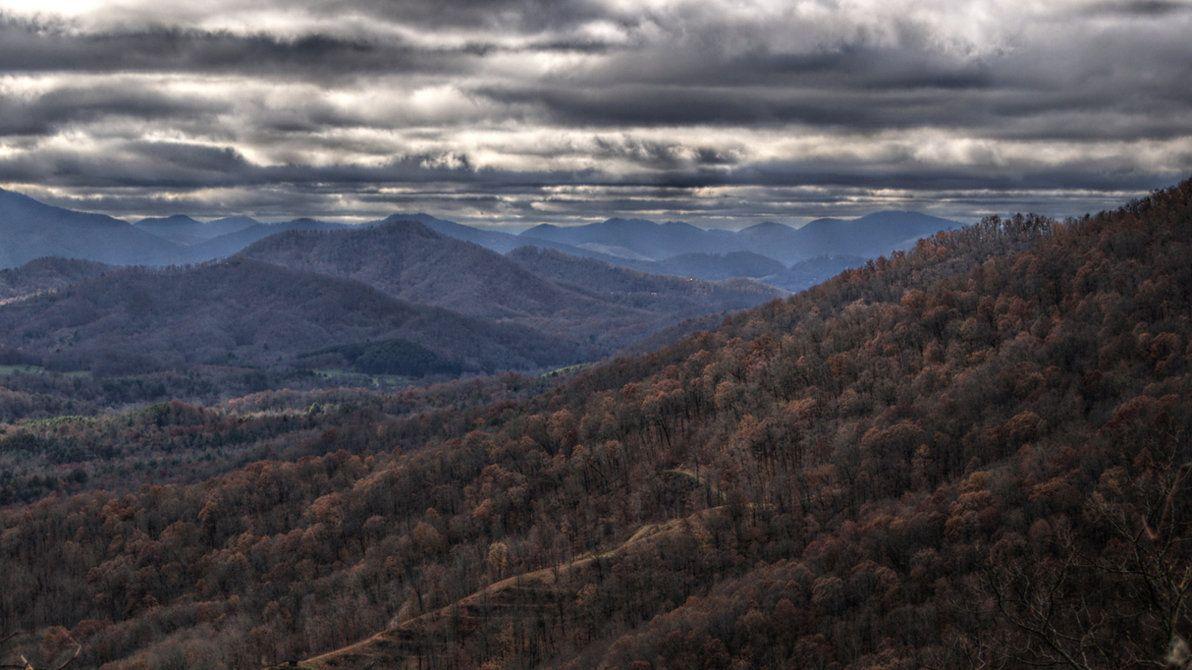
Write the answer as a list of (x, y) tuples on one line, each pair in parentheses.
[(520, 112)]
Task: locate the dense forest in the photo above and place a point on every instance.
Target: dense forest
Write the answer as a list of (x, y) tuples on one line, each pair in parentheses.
[(595, 306), (248, 313), (973, 454), (394, 299)]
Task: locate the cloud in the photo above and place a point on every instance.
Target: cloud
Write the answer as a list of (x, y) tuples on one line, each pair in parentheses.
[(525, 110)]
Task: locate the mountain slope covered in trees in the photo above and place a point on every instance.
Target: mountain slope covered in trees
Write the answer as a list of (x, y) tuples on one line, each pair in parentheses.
[(245, 312), (710, 266), (597, 312), (976, 454), (46, 274), (411, 262)]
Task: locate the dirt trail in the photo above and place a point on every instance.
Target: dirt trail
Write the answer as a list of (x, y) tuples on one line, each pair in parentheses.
[(525, 594)]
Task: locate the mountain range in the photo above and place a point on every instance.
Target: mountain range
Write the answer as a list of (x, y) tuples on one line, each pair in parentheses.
[(329, 295), (637, 239), (183, 230), (243, 312), (332, 297), (597, 307), (973, 454), (29, 229), (46, 274)]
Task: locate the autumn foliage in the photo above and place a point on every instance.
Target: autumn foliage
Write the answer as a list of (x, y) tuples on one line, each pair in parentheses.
[(975, 454)]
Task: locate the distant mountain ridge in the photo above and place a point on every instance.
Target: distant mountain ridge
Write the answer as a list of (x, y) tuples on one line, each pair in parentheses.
[(268, 305), (766, 251), (30, 229), (408, 260), (655, 241), (182, 229), (870, 235), (231, 243)]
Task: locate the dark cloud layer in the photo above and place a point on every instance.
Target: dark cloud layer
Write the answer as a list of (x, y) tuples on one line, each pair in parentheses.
[(521, 111)]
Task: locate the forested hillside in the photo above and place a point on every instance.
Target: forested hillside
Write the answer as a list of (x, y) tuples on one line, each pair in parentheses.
[(602, 310), (677, 296), (808, 273), (245, 312), (975, 454), (46, 274), (409, 261)]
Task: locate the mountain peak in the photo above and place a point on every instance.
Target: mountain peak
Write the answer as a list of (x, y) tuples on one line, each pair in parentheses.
[(420, 217), (171, 220), (767, 226), (905, 217), (405, 226)]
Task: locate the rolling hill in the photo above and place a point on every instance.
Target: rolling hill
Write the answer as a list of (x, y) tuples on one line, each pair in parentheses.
[(184, 230), (598, 312), (778, 241), (682, 297), (498, 241), (46, 274), (805, 274), (247, 313), (409, 261), (868, 236), (489, 239), (228, 244)]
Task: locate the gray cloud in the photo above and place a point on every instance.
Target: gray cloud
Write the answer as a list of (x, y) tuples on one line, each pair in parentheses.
[(1139, 8), (528, 110)]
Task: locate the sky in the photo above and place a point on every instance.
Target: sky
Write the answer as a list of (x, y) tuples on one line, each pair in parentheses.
[(515, 112)]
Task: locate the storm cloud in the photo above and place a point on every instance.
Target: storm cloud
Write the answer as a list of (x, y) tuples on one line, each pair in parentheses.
[(517, 112)]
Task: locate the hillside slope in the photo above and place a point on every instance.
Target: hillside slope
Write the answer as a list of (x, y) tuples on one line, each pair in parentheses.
[(405, 259), (30, 229), (409, 261), (894, 468), (677, 296), (46, 274), (230, 243), (244, 312), (805, 274), (974, 454)]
